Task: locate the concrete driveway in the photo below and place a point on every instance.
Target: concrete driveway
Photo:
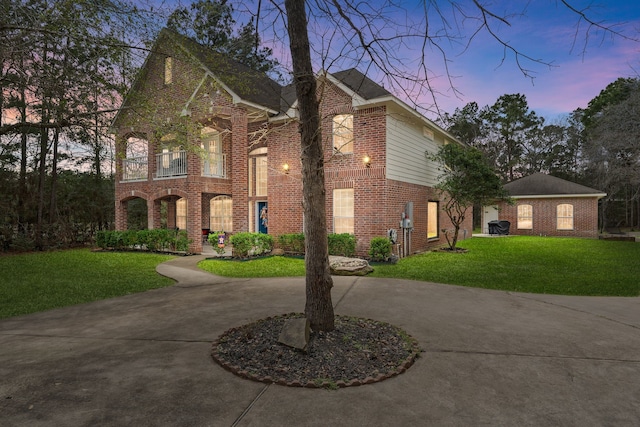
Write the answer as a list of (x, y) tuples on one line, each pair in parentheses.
[(490, 358)]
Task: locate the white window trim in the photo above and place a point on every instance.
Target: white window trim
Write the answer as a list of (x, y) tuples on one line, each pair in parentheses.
[(340, 131), (338, 194), (520, 221), (565, 218)]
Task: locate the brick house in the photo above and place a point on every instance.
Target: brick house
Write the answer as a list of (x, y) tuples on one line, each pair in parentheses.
[(212, 145), (547, 206)]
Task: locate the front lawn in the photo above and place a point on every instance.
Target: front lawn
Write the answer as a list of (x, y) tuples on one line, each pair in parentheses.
[(516, 263), (42, 281)]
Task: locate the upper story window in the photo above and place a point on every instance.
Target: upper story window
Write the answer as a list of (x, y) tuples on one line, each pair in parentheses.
[(213, 160), (343, 133), (525, 217), (211, 141), (168, 70), (137, 148), (564, 217)]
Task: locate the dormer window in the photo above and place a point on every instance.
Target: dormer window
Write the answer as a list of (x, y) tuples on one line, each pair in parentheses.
[(168, 70), (343, 133)]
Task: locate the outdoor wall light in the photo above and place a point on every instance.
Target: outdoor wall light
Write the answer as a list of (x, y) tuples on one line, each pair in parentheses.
[(285, 168), (367, 161)]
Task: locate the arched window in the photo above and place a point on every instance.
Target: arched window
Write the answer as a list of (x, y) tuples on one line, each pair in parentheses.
[(564, 217), (221, 214), (135, 164), (525, 217)]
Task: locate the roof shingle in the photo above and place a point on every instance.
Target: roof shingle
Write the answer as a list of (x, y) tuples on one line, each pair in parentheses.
[(540, 184)]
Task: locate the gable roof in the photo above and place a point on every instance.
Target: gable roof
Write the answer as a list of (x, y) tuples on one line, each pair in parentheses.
[(361, 84), (248, 84), (543, 185), (256, 88)]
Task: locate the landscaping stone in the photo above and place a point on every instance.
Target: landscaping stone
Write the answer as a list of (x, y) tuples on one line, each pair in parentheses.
[(344, 266), (295, 333), (277, 252)]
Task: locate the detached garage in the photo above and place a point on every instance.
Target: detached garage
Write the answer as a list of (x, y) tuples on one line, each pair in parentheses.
[(547, 206)]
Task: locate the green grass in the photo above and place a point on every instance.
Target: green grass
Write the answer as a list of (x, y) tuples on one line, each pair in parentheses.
[(35, 282), (525, 264), (276, 266), (530, 264)]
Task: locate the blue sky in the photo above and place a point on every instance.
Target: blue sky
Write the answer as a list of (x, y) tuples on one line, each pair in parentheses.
[(583, 60), (577, 61)]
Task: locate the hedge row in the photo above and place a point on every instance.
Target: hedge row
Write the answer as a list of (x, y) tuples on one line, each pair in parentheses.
[(343, 244), (159, 239)]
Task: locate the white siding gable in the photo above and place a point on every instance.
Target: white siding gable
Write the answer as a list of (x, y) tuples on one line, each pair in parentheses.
[(407, 144)]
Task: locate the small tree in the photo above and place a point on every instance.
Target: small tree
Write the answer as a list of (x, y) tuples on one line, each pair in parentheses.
[(466, 180)]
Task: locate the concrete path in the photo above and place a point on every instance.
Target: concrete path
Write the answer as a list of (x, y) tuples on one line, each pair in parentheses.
[(490, 358)]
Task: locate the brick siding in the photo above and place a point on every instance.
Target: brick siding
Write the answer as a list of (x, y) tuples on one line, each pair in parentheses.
[(585, 216), (378, 201)]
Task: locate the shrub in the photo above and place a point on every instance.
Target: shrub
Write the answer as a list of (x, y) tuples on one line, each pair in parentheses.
[(182, 241), (101, 239), (380, 249), (292, 243), (342, 244), (245, 244)]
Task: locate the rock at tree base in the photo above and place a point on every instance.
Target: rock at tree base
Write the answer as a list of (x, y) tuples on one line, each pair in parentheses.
[(343, 266), (295, 333)]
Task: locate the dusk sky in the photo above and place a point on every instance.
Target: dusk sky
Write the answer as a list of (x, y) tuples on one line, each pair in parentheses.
[(579, 71), (583, 60)]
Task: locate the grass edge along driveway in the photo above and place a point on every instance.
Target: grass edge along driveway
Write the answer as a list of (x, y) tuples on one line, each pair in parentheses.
[(552, 265), (41, 281)]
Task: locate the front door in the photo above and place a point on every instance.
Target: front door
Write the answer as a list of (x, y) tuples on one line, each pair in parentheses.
[(262, 217), (489, 213)]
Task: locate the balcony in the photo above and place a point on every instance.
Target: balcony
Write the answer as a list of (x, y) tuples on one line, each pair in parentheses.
[(215, 165), (171, 164), (135, 169)]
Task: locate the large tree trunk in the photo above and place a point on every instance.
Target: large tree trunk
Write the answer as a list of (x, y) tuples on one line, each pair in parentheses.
[(318, 308)]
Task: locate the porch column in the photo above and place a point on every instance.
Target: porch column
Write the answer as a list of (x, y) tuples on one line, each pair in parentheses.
[(121, 214), (194, 221), (239, 173), (153, 214)]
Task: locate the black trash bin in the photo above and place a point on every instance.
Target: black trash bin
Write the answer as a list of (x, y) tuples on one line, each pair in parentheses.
[(493, 227), (499, 227)]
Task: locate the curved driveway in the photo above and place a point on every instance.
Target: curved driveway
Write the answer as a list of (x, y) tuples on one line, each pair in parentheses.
[(490, 358)]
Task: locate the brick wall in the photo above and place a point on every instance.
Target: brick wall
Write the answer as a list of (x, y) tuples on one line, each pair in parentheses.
[(160, 105), (378, 201), (585, 216)]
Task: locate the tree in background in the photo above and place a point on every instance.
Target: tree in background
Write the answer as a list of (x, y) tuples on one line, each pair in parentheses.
[(211, 23), (466, 180), (466, 124), (65, 67), (612, 150), (510, 124)]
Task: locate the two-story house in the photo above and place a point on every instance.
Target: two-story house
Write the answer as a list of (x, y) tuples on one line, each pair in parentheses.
[(211, 145)]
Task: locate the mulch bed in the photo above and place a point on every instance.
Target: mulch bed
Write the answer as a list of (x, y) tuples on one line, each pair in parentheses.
[(358, 351)]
